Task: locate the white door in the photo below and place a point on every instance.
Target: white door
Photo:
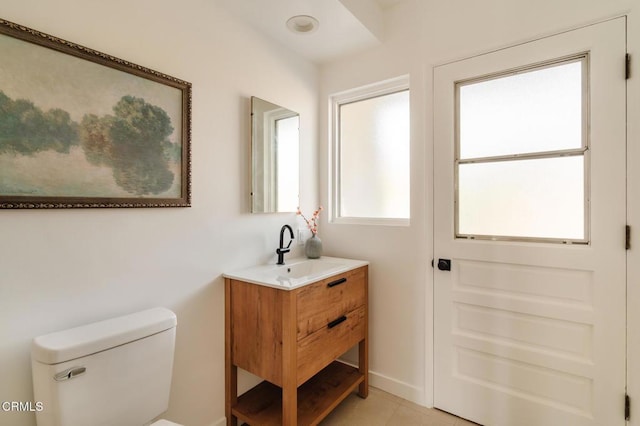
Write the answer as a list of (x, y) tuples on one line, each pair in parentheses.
[(529, 163)]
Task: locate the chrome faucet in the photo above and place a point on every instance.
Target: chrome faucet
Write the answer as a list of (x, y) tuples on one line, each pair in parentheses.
[(282, 250)]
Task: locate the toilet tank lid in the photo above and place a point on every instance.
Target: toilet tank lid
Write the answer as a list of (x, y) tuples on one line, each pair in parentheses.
[(88, 339)]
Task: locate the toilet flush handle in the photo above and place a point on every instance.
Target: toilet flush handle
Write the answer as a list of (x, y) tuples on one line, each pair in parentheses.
[(69, 373)]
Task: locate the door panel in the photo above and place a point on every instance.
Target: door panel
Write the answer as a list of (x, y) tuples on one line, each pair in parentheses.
[(533, 332)]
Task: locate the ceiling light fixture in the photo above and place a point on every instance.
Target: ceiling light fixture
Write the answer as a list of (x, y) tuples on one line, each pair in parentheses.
[(303, 24)]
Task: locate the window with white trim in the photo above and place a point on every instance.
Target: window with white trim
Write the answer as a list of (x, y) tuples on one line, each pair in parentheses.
[(370, 154)]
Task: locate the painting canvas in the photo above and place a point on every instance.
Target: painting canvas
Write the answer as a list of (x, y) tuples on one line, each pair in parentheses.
[(79, 128)]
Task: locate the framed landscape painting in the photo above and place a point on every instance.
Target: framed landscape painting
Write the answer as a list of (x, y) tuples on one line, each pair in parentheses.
[(79, 128)]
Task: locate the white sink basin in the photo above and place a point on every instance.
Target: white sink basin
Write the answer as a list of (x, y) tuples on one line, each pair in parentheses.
[(305, 268), (296, 272)]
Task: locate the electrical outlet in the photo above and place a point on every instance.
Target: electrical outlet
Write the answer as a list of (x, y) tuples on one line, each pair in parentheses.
[(303, 235)]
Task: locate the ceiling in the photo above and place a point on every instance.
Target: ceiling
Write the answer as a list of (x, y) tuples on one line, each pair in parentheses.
[(345, 26)]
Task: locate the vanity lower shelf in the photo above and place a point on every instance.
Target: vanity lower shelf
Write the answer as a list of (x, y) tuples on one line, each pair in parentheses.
[(262, 405)]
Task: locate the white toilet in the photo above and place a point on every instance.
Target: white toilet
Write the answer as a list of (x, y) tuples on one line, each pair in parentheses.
[(113, 372)]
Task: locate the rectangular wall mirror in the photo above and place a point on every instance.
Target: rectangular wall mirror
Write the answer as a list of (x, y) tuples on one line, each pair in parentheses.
[(275, 157)]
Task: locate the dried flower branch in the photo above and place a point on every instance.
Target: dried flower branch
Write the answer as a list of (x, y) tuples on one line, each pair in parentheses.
[(312, 223)]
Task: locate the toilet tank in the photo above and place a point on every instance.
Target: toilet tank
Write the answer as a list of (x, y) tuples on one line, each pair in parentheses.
[(112, 372)]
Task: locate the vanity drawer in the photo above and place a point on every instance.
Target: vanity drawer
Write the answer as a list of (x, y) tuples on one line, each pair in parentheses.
[(319, 349), (321, 302)]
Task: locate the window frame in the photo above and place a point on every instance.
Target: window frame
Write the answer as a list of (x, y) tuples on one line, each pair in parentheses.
[(383, 88), (583, 150)]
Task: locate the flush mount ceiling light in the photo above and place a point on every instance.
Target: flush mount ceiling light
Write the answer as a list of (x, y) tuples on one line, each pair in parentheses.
[(303, 24)]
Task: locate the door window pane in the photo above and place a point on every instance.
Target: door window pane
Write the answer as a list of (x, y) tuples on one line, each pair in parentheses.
[(533, 111), (541, 198)]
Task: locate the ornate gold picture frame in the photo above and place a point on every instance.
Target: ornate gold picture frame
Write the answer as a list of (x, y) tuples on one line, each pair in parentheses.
[(80, 128)]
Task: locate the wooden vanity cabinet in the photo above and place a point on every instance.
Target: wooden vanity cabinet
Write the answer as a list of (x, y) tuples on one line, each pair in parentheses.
[(291, 339)]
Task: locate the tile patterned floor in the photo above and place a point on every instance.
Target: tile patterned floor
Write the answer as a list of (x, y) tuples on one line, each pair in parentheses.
[(383, 409)]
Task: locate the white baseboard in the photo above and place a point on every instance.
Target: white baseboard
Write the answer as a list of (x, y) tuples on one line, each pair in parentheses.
[(394, 386), (220, 422)]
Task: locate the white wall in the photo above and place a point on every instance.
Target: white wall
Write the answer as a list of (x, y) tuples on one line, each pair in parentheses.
[(422, 34), (63, 268)]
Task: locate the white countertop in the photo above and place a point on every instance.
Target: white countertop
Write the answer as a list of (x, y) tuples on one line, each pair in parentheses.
[(296, 272)]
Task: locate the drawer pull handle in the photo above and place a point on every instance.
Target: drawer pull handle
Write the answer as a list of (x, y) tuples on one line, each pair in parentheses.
[(336, 321), (337, 282)]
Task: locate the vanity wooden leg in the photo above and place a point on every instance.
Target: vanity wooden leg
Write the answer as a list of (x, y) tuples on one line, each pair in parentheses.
[(230, 370), (231, 394), (363, 367), (363, 346), (290, 406), (289, 362)]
